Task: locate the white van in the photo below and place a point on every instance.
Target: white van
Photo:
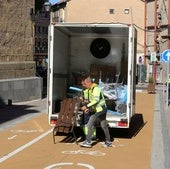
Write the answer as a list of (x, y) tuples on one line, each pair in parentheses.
[(108, 52)]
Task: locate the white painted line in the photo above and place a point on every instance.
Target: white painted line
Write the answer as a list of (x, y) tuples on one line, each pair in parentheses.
[(92, 153), (24, 146), (26, 131), (12, 137), (86, 165), (66, 164), (38, 126), (57, 165)]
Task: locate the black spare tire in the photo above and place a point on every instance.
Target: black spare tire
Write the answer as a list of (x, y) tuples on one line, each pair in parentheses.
[(100, 48)]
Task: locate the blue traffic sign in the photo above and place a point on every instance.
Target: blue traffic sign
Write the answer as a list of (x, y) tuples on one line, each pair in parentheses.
[(165, 56)]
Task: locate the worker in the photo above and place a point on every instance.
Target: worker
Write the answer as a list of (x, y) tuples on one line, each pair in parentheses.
[(97, 110), (85, 118)]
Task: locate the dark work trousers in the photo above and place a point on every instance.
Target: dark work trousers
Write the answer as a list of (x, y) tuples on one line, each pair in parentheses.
[(101, 116)]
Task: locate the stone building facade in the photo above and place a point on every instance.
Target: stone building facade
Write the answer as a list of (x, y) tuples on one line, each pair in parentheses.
[(17, 68), (157, 37), (41, 38), (16, 27), (150, 17), (157, 25), (105, 11)]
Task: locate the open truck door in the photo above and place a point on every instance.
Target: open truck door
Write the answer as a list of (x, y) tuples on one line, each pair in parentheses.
[(58, 71), (132, 71)]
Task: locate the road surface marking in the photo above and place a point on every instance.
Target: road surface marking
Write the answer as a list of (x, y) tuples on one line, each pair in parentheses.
[(38, 126), (12, 137), (26, 131), (24, 146), (92, 153), (66, 164)]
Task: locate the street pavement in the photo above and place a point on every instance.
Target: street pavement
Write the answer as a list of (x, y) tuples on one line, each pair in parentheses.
[(11, 115), (161, 129), (30, 144), (160, 155), (161, 132)]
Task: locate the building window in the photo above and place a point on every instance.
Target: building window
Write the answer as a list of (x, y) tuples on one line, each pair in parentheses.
[(43, 30), (126, 11), (111, 11), (39, 29), (46, 30)]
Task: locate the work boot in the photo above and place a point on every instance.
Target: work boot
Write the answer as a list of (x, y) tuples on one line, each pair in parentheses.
[(86, 144)]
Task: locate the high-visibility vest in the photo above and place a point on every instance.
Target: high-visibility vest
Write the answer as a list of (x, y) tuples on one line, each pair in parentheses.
[(86, 94), (96, 98)]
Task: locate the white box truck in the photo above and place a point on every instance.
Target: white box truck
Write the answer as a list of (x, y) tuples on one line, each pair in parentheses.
[(107, 51)]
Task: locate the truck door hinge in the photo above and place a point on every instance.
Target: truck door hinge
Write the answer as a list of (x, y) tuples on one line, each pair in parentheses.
[(129, 106), (50, 38), (130, 72)]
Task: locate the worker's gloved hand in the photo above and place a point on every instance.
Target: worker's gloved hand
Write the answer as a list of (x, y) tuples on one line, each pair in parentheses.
[(83, 103), (85, 109), (81, 98)]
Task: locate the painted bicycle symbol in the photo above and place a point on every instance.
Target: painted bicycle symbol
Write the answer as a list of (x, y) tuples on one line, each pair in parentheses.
[(69, 164), (92, 153)]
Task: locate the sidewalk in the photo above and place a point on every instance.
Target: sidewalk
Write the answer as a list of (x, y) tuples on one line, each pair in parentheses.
[(19, 112), (161, 134)]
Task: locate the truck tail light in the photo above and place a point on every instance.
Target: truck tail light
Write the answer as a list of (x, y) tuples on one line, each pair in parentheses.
[(123, 123), (53, 122)]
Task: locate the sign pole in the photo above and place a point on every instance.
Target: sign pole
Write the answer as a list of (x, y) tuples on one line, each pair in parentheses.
[(167, 67), (165, 57), (167, 86), (140, 72)]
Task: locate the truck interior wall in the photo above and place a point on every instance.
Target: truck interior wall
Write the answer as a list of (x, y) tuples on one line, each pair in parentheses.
[(61, 64), (81, 57), (72, 54)]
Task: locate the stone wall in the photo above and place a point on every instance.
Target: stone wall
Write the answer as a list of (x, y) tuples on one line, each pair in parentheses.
[(20, 90), (17, 68), (10, 70), (17, 39)]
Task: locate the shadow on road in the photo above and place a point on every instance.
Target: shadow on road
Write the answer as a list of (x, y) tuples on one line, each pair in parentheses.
[(8, 113), (137, 123)]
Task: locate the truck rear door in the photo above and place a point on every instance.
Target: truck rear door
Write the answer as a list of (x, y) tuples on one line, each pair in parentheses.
[(132, 71), (58, 69)]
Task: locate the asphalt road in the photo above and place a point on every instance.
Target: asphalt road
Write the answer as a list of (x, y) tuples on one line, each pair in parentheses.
[(29, 144)]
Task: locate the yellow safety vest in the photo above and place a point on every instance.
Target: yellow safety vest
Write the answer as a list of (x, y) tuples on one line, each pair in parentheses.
[(86, 94), (96, 98)]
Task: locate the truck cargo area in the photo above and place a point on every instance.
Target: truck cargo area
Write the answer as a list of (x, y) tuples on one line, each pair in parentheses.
[(107, 52)]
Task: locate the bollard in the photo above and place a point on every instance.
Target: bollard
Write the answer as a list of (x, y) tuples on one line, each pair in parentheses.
[(9, 102)]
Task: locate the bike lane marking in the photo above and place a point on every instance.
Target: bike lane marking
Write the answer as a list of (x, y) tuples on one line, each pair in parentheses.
[(92, 153), (66, 164), (25, 146), (26, 131), (12, 137)]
